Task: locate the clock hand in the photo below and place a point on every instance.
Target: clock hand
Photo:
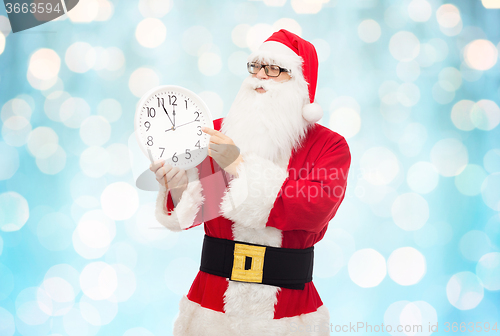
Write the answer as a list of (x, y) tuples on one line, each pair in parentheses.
[(164, 109), (173, 108), (180, 125)]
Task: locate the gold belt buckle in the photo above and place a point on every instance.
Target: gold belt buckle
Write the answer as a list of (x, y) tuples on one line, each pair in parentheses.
[(241, 252)]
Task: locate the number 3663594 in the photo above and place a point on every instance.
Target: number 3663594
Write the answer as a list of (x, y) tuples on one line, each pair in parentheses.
[(32, 8)]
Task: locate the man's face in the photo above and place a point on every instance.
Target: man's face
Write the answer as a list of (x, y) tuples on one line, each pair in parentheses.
[(283, 77)]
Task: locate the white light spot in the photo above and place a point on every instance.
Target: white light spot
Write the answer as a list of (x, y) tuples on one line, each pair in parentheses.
[(14, 211), (84, 12), (214, 102), (448, 16), (481, 55), (491, 161), (379, 165), (119, 160), (150, 33), (239, 35), (461, 113), (16, 130), (474, 244), (110, 109), (464, 290), (209, 64), (289, 24), (409, 317), (74, 111), (55, 296), (155, 8), (388, 92), (95, 161), (9, 161), (406, 266), (367, 268), (408, 94), (274, 3), (54, 163), (469, 181), (492, 4), (44, 64), (419, 10), (16, 107), (66, 272), (75, 325), (307, 6), (80, 57), (369, 31), (488, 270), (97, 313), (404, 46), (122, 253), (485, 115), (489, 191), (345, 121), (120, 200), (98, 280), (126, 283), (142, 80), (116, 59), (449, 156), (410, 211), (257, 35), (422, 177), (96, 233), (42, 142), (95, 131)]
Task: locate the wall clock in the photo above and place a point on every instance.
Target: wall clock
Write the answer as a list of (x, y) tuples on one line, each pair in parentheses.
[(168, 123)]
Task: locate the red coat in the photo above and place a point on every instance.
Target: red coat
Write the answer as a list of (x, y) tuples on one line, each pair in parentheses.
[(310, 194)]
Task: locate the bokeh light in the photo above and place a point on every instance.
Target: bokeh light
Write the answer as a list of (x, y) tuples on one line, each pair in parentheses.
[(150, 32), (488, 270), (449, 156), (481, 55), (464, 290), (367, 268), (410, 211), (369, 31), (14, 211), (119, 200)]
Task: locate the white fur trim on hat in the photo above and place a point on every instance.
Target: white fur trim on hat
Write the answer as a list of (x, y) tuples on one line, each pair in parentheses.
[(312, 112)]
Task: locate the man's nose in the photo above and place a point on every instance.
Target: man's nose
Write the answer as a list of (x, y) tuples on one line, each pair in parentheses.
[(262, 74)]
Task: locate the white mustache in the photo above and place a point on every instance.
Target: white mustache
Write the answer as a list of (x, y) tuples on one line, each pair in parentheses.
[(255, 83)]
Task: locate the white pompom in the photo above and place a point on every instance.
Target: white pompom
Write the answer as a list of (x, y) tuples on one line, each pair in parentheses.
[(312, 112)]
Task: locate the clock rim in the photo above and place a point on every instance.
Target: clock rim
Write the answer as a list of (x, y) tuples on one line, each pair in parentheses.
[(179, 89)]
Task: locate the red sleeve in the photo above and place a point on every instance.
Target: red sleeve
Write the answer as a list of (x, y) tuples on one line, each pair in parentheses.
[(310, 201)]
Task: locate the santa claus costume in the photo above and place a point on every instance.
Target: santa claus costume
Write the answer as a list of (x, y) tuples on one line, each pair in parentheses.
[(290, 184)]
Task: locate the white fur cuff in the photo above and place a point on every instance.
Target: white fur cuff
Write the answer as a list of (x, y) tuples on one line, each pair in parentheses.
[(251, 196), (184, 214)]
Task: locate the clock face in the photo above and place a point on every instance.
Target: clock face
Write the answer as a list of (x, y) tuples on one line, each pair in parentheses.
[(168, 124)]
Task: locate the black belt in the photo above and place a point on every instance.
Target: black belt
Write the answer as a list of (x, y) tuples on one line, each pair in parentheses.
[(244, 262)]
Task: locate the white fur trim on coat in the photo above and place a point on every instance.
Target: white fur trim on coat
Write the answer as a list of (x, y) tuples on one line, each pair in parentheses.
[(253, 192), (194, 320), (182, 217)]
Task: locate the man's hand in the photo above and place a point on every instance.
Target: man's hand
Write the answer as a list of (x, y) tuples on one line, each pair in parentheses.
[(172, 178), (223, 150)]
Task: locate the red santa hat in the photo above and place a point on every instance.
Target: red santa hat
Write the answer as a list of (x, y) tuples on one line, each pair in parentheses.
[(293, 52)]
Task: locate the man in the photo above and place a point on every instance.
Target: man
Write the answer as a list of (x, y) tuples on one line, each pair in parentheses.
[(286, 183)]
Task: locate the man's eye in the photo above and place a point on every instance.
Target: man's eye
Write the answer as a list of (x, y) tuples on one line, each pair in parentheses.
[(275, 67)]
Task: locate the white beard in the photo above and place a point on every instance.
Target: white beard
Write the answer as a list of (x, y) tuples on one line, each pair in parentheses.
[(268, 124)]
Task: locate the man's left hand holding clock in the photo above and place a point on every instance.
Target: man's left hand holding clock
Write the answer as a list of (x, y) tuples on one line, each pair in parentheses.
[(221, 148)]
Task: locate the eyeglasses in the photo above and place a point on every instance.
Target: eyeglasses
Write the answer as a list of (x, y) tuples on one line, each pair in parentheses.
[(271, 70)]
